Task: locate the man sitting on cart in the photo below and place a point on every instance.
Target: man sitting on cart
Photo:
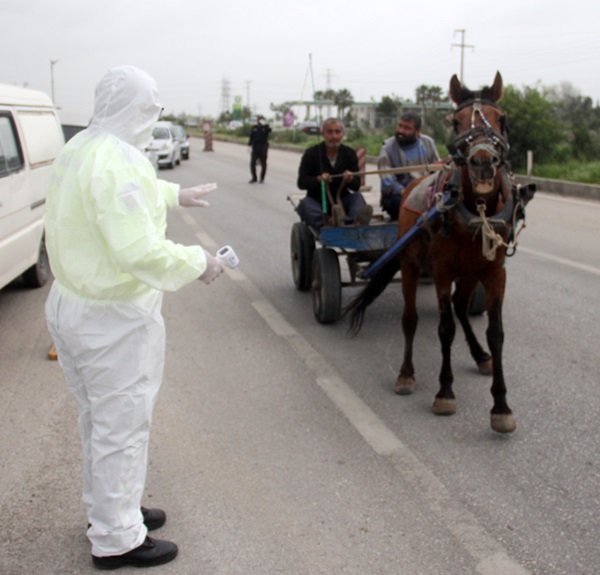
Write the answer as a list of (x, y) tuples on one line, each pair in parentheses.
[(333, 164), (407, 147)]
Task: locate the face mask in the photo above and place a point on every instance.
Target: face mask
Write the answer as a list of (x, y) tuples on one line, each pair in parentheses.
[(405, 140), (262, 122)]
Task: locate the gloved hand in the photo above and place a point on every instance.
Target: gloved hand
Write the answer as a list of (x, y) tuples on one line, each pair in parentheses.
[(192, 197), (214, 268)]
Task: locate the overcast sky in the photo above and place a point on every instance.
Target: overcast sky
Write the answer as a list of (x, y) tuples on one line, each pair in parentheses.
[(261, 48)]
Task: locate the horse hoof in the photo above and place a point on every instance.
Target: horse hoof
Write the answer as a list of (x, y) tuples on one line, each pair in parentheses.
[(443, 406), (404, 385), (485, 366), (503, 422)]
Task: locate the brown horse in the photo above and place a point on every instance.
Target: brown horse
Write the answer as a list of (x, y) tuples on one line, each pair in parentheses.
[(466, 245)]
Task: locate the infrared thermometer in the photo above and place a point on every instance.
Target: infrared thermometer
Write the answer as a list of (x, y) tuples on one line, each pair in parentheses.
[(228, 258)]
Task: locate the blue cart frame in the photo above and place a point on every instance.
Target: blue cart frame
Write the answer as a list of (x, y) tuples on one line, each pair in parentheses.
[(315, 256)]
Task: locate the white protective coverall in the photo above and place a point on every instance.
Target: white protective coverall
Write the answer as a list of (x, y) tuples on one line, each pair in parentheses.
[(105, 235)]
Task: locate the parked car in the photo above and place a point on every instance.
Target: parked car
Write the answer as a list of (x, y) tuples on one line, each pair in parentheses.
[(235, 124), (309, 127), (184, 145), (30, 139), (165, 144)]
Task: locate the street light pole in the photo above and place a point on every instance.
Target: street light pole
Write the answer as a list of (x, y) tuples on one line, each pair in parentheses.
[(52, 62)]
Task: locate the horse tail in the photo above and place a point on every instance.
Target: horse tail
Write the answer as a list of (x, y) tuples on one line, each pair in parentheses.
[(377, 284)]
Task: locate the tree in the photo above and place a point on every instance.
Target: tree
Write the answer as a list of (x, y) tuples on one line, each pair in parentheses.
[(388, 106), (224, 117), (427, 96), (579, 119), (434, 119), (321, 96), (533, 125), (343, 99), (324, 95)]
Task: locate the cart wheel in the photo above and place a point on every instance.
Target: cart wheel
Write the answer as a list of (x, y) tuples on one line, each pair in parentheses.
[(477, 306), (326, 286), (302, 248)]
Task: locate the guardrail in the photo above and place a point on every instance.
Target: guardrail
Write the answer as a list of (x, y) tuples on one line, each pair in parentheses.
[(587, 191)]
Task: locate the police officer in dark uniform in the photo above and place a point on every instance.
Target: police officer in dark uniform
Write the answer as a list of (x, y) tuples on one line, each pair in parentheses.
[(259, 142)]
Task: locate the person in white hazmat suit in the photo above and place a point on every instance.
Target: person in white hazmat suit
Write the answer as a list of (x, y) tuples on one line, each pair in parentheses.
[(105, 235)]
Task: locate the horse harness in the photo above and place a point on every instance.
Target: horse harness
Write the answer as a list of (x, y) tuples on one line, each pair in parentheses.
[(510, 221)]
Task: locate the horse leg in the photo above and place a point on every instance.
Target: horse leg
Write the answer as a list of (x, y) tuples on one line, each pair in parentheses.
[(502, 419), (445, 402), (405, 382), (461, 299)]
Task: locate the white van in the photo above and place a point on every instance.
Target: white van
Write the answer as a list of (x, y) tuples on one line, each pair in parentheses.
[(30, 139)]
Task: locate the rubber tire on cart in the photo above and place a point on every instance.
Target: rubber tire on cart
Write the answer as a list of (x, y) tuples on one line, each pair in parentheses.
[(477, 305), (326, 286), (37, 275), (302, 247)]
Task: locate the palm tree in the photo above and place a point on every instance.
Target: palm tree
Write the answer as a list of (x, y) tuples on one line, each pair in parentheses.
[(343, 99)]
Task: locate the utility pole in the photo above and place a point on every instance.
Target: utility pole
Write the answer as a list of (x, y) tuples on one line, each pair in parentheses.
[(225, 95), (248, 94), (312, 76), (52, 63), (462, 47), (328, 76)]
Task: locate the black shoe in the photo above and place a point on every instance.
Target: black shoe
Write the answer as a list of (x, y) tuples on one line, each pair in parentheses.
[(153, 518), (150, 553), (262, 180), (252, 181)]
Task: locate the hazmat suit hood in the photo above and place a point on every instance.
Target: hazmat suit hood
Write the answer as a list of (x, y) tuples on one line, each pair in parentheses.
[(127, 105)]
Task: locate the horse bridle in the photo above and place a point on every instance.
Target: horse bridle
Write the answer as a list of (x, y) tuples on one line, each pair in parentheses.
[(484, 137)]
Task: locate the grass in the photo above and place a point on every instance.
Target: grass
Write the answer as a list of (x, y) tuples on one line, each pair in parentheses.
[(571, 171)]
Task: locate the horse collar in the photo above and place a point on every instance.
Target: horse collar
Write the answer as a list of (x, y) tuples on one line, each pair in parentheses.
[(499, 221)]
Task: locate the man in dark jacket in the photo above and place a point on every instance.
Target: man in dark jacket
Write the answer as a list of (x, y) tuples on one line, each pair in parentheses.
[(259, 142), (319, 163)]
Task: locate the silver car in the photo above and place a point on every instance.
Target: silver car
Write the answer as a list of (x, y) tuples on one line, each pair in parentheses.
[(184, 145), (165, 145)]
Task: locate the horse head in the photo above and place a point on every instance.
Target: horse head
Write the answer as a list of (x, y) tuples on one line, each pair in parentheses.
[(480, 136)]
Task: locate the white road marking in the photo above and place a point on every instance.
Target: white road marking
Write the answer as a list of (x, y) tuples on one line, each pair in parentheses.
[(489, 553), (563, 261)]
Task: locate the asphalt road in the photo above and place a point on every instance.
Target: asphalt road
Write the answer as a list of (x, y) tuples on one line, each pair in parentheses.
[(278, 446)]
